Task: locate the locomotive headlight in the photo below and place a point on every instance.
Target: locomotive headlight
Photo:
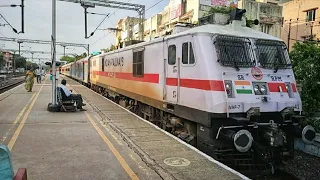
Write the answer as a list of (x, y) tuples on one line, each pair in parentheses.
[(256, 89), (263, 89), (228, 86), (260, 88)]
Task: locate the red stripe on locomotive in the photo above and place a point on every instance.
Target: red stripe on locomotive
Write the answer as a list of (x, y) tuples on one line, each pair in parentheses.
[(151, 78), (274, 87)]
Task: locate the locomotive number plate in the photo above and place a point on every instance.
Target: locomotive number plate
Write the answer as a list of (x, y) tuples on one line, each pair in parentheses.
[(276, 78)]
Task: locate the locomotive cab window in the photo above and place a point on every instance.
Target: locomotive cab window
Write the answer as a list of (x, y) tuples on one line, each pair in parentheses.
[(172, 55), (138, 63), (187, 53), (234, 51), (272, 54)]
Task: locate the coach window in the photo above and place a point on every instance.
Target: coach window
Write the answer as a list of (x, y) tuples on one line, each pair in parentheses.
[(187, 53), (138, 63), (172, 55)]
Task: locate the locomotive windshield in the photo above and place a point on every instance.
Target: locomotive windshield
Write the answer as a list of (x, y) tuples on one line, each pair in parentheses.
[(272, 54), (234, 51)]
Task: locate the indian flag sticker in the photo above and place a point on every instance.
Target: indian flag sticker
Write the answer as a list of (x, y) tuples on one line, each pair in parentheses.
[(243, 87)]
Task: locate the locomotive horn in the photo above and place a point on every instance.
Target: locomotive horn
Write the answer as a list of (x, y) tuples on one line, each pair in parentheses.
[(242, 140), (236, 14)]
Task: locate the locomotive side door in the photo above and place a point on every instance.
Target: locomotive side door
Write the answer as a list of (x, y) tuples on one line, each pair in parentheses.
[(171, 61)]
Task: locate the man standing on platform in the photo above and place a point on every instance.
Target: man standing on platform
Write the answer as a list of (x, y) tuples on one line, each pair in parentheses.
[(43, 72), (38, 73)]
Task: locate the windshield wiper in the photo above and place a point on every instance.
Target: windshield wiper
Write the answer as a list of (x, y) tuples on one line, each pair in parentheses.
[(276, 68), (234, 62)]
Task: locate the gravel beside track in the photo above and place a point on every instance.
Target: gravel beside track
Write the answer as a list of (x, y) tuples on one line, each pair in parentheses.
[(304, 166)]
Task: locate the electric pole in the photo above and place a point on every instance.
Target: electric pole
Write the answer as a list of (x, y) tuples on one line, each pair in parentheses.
[(22, 16), (14, 62), (64, 50), (311, 26), (53, 107), (289, 35)]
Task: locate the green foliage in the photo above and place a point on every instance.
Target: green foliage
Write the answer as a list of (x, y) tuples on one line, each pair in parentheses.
[(314, 122), (306, 65), (220, 9), (249, 22), (305, 59), (20, 61), (68, 59), (1, 60), (83, 55), (111, 48)]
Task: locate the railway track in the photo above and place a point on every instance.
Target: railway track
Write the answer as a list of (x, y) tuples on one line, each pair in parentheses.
[(10, 83), (278, 175)]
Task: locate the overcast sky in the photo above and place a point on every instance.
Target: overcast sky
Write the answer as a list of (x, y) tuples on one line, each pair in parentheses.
[(70, 24)]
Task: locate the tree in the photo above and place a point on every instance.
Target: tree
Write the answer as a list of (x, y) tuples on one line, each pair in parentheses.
[(105, 50), (69, 59), (20, 61), (219, 9), (306, 65), (1, 60), (83, 55)]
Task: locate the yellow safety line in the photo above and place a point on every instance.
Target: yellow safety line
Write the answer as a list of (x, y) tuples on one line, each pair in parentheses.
[(25, 117), (23, 109), (17, 119), (114, 150)]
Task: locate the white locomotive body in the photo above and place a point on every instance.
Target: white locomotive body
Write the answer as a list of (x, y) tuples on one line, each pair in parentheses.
[(225, 89)]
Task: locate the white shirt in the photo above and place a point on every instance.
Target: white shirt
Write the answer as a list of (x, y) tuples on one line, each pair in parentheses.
[(66, 91), (37, 71)]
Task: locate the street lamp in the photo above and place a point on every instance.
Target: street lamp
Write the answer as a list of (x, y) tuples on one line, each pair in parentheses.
[(11, 5)]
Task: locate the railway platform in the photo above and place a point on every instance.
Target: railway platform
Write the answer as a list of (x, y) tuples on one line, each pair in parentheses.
[(104, 142)]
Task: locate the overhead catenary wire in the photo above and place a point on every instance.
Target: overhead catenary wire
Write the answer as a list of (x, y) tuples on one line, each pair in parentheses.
[(8, 23), (100, 24), (135, 16), (10, 41), (114, 12), (15, 34)]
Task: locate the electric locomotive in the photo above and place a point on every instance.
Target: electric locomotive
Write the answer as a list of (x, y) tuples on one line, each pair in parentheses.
[(228, 89)]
